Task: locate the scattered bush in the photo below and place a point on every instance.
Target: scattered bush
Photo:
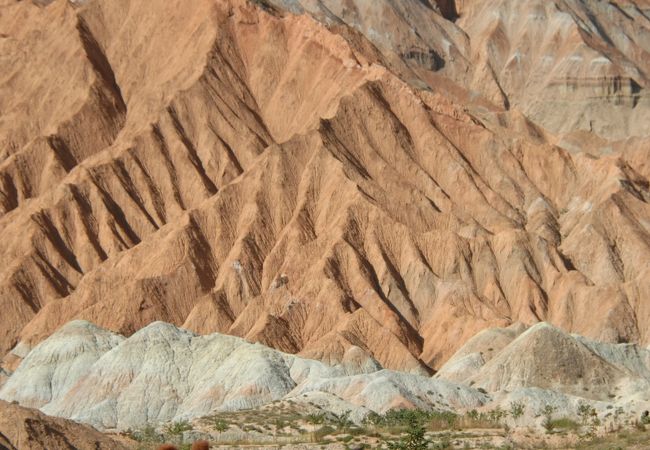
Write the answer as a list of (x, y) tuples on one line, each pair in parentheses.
[(497, 414), (178, 428), (517, 410), (645, 418), (220, 425), (322, 432), (585, 411), (548, 412), (441, 420), (316, 419), (146, 434), (343, 421)]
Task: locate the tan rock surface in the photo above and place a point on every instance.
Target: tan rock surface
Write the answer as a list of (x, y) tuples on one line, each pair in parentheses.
[(238, 169), (567, 64), (29, 429), (543, 357)]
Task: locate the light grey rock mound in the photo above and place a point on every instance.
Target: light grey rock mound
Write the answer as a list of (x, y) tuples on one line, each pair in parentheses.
[(58, 363), (387, 389), (630, 358), (163, 373), (547, 357), (478, 350)]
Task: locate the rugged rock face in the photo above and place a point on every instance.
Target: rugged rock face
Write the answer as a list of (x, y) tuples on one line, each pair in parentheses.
[(28, 429), (235, 168), (568, 65)]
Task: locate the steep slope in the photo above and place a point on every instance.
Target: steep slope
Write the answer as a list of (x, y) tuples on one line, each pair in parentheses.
[(269, 177), (568, 65), (546, 357), (479, 349), (28, 429)]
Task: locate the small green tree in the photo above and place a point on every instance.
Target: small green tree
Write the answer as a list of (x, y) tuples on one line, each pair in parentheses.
[(517, 410), (176, 429), (374, 419), (220, 425), (585, 411), (343, 421), (548, 412), (645, 418), (316, 418), (414, 439), (497, 414)]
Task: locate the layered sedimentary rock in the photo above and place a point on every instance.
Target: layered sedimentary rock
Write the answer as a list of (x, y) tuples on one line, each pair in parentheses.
[(567, 64), (235, 168)]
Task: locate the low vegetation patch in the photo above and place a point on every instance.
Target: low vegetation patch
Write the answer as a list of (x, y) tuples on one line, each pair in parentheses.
[(397, 429)]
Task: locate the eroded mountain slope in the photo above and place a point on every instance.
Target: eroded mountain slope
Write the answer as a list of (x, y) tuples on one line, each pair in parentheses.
[(566, 64), (270, 178)]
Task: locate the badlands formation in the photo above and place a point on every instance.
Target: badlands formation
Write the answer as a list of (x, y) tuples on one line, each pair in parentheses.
[(369, 204), (164, 374)]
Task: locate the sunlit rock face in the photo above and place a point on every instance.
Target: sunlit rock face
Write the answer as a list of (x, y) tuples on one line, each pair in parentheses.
[(342, 180)]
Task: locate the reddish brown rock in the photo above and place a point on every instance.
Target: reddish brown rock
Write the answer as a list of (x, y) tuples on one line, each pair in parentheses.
[(28, 429), (201, 445), (243, 170)]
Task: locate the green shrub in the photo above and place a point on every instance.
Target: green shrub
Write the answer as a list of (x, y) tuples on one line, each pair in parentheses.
[(316, 419), (373, 419), (322, 432), (585, 411), (343, 421), (414, 439), (220, 425), (517, 410), (645, 418), (564, 423), (178, 428), (496, 415), (404, 417), (443, 419), (548, 412), (146, 434)]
